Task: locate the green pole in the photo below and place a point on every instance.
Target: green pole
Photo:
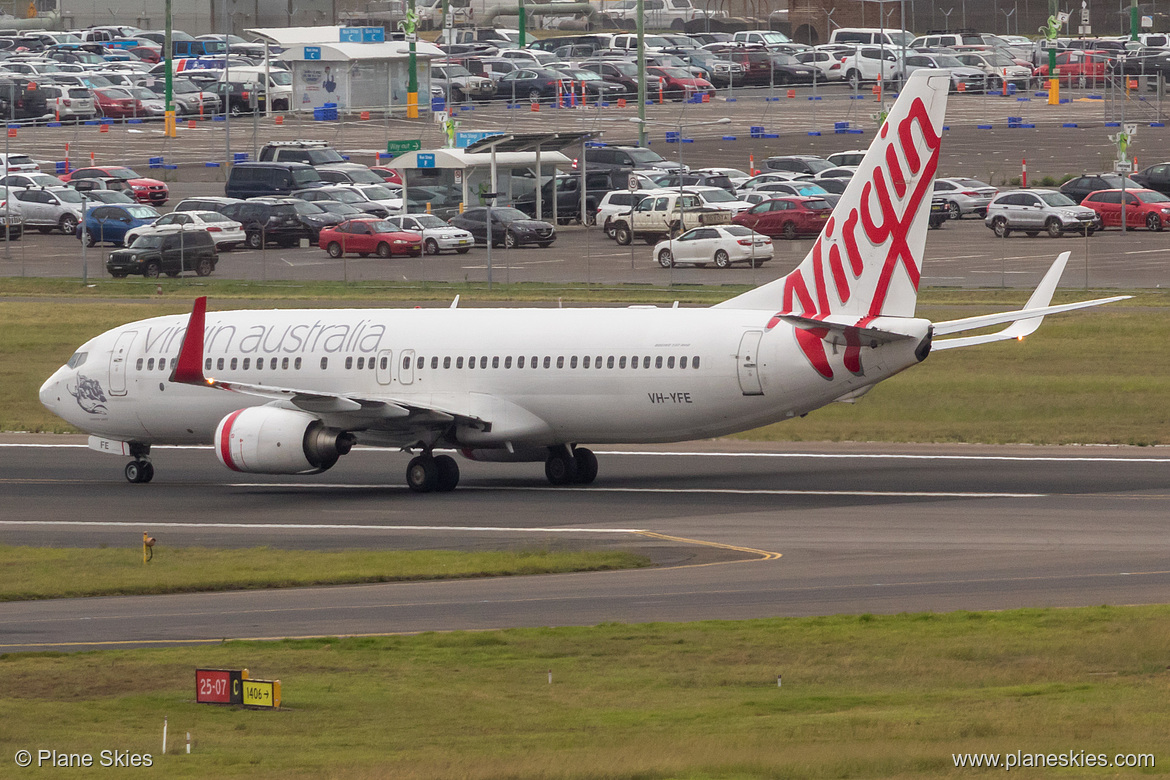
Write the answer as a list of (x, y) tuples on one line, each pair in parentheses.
[(169, 128), (523, 15), (641, 14), (1133, 20), (408, 27)]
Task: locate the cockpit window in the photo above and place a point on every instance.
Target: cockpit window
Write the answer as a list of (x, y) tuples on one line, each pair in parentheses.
[(77, 359)]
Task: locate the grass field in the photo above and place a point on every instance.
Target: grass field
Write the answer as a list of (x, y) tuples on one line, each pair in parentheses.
[(36, 572), (862, 697), (1087, 377)]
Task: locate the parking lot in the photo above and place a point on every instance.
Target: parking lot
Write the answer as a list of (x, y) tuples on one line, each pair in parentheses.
[(978, 143)]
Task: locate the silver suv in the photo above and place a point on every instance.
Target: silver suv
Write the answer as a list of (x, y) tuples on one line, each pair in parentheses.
[(1035, 210)]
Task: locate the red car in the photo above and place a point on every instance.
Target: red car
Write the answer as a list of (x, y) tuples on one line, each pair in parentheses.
[(1142, 207), (1071, 66), (369, 236), (150, 191), (117, 103), (389, 174), (787, 217), (680, 84), (151, 54)]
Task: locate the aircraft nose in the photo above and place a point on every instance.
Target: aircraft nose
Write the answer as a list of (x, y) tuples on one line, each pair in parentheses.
[(51, 392)]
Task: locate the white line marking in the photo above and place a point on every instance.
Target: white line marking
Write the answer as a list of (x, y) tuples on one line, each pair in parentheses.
[(325, 527), (599, 489)]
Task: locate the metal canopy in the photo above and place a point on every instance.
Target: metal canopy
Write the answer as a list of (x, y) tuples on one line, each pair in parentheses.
[(524, 142)]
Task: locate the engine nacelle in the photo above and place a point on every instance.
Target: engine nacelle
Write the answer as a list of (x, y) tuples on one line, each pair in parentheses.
[(265, 440)]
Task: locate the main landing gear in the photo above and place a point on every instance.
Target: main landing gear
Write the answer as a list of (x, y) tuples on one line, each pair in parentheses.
[(429, 473), (139, 470), (575, 466)]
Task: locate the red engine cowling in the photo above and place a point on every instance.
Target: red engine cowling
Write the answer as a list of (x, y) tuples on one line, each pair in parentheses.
[(265, 440)]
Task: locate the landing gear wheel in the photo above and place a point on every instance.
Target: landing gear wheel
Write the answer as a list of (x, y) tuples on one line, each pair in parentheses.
[(448, 473), (422, 474), (586, 465), (139, 471), (560, 468)]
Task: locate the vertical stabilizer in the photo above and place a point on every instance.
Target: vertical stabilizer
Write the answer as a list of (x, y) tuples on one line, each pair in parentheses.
[(868, 259)]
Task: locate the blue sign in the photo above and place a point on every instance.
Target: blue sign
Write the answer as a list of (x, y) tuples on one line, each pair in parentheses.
[(466, 139), (425, 160), (312, 52), (363, 34)]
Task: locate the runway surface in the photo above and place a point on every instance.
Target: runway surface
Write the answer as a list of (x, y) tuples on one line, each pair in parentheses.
[(736, 530)]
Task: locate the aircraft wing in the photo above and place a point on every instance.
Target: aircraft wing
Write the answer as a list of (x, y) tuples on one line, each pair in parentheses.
[(352, 411), (1020, 323)]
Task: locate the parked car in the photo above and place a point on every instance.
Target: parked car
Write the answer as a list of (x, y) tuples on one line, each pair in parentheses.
[(388, 174), (681, 84), (798, 163), (1033, 211), (145, 190), (109, 223), (206, 203), (270, 179), (438, 236), (346, 195), (965, 196), (101, 183), (273, 220), (1073, 66), (48, 209), (31, 180), (963, 77), (11, 221), (635, 157), (533, 84), (461, 83), (117, 103), (787, 217), (225, 232), (117, 197), (722, 245), (17, 163), (370, 236), (1142, 207), (311, 216), (1155, 177), (510, 227), (170, 252), (1081, 186), (997, 68)]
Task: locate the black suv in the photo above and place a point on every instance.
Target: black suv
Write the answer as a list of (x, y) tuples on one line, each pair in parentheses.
[(171, 253), (266, 221), (510, 227), (250, 180), (311, 216), (636, 157)]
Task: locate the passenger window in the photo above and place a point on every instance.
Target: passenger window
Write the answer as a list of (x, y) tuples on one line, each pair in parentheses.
[(207, 364), (483, 362), (658, 362), (348, 363), (634, 362), (495, 361), (272, 364), (283, 363), (597, 362), (219, 365), (560, 361), (434, 362), (362, 363), (383, 363), (695, 362), (622, 362), (324, 363), (609, 362), (547, 361), (682, 362), (508, 361), (234, 364), (646, 362), (573, 362), (405, 362), (670, 362), (150, 365), (138, 365), (520, 362), (471, 362), (458, 362), (247, 363), (585, 362), (446, 362), (535, 361), (297, 364)]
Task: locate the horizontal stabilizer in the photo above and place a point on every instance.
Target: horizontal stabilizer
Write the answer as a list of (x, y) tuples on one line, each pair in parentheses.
[(850, 328)]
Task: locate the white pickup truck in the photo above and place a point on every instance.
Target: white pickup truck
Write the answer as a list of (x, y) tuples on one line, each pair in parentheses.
[(663, 213)]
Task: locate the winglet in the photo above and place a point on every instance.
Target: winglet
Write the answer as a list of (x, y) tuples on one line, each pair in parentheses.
[(189, 367)]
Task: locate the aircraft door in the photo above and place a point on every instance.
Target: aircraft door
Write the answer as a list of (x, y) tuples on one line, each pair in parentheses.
[(385, 366), (406, 367), (748, 362), (118, 360)]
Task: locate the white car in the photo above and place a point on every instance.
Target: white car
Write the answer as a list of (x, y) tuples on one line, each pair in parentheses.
[(737, 177), (848, 157), (771, 177), (828, 66), (619, 202), (719, 198), (386, 195), (437, 235), (225, 232), (27, 180), (840, 172), (49, 209), (18, 163), (722, 245)]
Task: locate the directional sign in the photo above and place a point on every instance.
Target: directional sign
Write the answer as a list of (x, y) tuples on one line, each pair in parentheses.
[(425, 160), (466, 138), (351, 35), (312, 52), (401, 147), (219, 686), (262, 693)]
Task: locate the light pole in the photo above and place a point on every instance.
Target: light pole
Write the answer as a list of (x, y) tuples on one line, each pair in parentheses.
[(1007, 20), (947, 16)]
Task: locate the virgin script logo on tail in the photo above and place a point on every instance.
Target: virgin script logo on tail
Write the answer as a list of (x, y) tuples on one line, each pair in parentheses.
[(884, 215)]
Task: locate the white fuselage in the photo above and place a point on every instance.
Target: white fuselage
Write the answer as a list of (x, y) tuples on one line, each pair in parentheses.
[(664, 374)]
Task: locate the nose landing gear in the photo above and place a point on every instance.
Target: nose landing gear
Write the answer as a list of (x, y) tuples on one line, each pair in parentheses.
[(140, 470)]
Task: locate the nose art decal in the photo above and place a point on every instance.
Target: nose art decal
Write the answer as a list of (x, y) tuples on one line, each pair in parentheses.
[(89, 395)]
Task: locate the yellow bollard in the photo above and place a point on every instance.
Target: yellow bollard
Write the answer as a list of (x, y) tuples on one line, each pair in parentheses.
[(1054, 92)]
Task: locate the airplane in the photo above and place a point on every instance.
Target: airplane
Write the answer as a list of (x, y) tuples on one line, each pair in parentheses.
[(291, 392)]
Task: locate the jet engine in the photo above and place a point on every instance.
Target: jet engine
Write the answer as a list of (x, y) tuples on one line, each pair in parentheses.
[(266, 440)]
